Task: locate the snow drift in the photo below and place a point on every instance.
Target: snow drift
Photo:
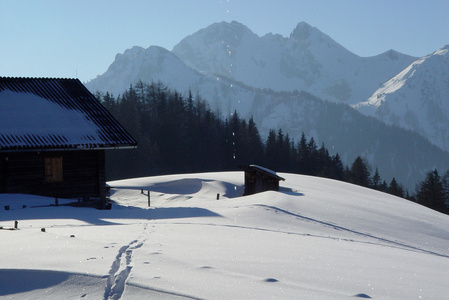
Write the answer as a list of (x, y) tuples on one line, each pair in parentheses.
[(316, 238)]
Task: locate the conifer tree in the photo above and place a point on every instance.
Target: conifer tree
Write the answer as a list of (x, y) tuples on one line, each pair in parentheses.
[(303, 156), (271, 150), (383, 186), (338, 168), (255, 143), (395, 188), (283, 151), (445, 182), (376, 180), (324, 167), (359, 173), (430, 192)]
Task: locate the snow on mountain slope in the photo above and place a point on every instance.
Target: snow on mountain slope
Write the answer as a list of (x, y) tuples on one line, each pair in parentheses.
[(158, 64), (315, 239), (308, 60), (151, 64), (417, 98)]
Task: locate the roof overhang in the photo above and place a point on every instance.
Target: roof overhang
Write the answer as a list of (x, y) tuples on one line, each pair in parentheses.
[(48, 149), (262, 170)]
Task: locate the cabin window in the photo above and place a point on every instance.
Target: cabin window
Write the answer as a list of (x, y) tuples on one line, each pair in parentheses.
[(53, 169)]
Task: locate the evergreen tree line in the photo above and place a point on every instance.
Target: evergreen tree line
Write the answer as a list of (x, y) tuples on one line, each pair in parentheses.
[(181, 134), (433, 191)]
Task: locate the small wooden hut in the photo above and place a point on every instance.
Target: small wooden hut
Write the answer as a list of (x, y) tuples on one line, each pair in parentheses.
[(53, 137), (259, 179)]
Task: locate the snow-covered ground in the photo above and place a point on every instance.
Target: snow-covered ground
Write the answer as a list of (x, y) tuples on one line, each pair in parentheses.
[(315, 239)]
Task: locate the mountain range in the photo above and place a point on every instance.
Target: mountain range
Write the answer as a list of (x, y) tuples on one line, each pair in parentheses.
[(308, 83), (308, 60)]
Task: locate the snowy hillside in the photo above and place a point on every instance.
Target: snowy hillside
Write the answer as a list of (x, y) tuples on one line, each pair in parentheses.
[(417, 98), (308, 60), (315, 239)]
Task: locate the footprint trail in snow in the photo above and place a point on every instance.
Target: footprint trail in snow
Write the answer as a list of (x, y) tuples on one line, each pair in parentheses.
[(120, 270)]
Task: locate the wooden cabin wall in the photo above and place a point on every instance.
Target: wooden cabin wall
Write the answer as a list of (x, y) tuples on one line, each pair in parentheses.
[(83, 174), (256, 182)]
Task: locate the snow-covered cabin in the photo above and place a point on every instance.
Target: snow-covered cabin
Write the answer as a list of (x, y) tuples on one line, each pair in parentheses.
[(259, 179), (53, 137)]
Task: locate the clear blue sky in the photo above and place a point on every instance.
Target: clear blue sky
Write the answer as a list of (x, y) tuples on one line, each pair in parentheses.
[(69, 38)]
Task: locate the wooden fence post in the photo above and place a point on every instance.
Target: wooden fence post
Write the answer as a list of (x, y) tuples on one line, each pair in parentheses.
[(149, 200)]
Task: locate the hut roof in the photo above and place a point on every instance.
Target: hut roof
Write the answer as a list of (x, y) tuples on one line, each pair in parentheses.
[(55, 114), (263, 170)]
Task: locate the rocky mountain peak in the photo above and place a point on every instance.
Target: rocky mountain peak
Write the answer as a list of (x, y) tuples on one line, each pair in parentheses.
[(303, 31)]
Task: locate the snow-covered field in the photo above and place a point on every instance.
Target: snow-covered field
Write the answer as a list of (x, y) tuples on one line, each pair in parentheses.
[(315, 239)]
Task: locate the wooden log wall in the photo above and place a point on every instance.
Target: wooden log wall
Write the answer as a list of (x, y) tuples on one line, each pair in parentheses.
[(83, 174)]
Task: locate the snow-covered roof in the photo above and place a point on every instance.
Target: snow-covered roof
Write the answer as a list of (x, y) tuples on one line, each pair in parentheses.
[(53, 114), (266, 171)]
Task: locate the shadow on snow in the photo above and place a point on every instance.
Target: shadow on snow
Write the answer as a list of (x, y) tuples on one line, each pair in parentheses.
[(101, 217), (13, 281), (16, 281), (185, 186)]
